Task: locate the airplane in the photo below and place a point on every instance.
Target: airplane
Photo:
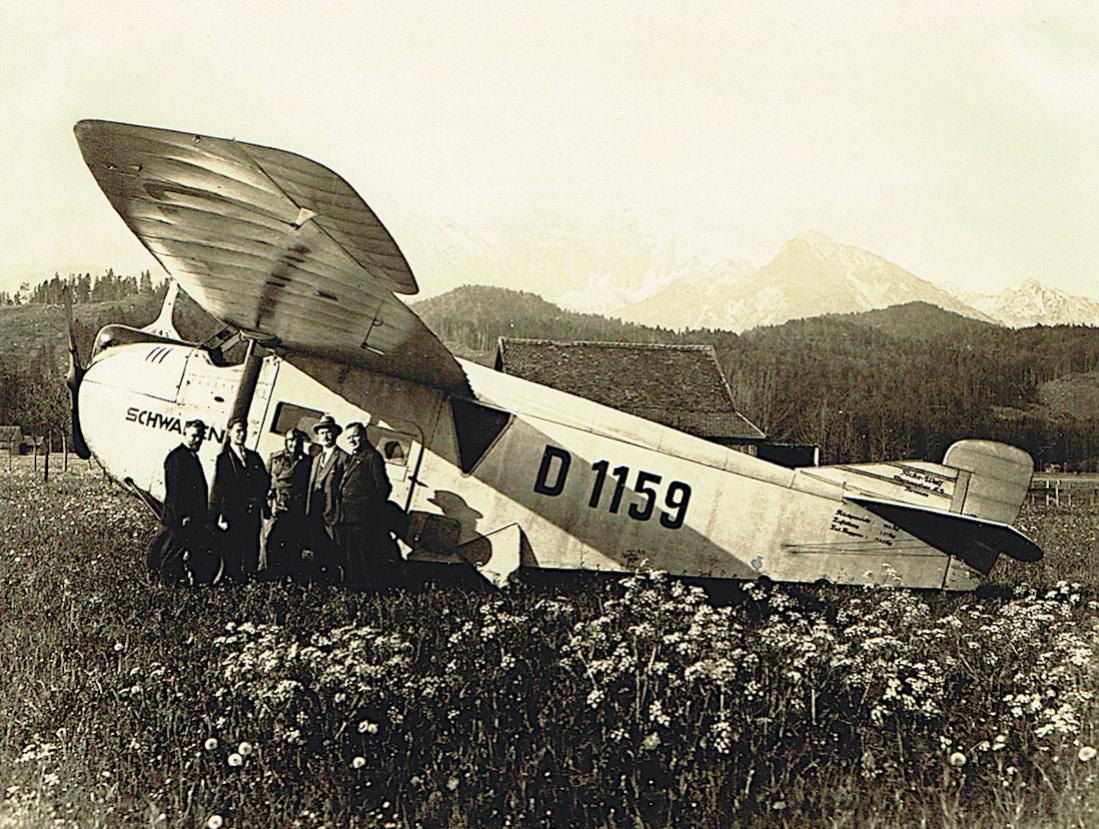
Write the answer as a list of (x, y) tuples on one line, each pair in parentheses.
[(492, 471)]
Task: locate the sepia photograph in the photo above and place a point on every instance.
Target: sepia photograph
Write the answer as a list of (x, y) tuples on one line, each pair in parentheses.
[(507, 414)]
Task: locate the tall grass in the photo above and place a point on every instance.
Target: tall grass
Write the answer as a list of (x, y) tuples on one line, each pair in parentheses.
[(626, 703)]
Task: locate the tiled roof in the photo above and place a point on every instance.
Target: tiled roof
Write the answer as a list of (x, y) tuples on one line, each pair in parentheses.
[(681, 386)]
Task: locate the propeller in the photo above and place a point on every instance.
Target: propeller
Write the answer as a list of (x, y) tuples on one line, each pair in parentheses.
[(72, 379)]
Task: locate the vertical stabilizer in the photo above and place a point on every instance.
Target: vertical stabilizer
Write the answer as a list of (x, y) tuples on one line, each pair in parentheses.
[(996, 479)]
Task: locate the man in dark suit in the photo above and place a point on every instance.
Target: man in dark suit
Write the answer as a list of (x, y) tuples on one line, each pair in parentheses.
[(185, 537), (372, 557), (323, 495), (290, 471), (239, 498)]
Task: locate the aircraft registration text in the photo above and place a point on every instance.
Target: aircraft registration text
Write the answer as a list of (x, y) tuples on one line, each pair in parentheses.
[(554, 471)]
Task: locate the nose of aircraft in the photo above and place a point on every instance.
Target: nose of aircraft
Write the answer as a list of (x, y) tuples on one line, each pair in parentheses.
[(127, 401)]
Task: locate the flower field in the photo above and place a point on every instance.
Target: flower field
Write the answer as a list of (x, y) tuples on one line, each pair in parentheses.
[(635, 702)]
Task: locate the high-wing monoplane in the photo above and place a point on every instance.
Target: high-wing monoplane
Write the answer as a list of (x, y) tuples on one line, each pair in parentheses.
[(492, 471)]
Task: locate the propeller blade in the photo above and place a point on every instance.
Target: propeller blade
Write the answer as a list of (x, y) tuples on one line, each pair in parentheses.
[(72, 379)]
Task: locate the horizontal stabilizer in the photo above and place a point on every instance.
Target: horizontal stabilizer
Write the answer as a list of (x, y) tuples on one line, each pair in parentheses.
[(976, 541)]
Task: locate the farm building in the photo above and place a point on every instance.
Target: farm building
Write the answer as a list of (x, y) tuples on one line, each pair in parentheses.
[(11, 439), (681, 386)]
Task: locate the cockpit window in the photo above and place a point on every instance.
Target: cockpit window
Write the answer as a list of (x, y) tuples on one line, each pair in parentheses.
[(477, 428)]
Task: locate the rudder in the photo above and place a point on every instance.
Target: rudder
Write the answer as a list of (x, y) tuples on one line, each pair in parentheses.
[(993, 479)]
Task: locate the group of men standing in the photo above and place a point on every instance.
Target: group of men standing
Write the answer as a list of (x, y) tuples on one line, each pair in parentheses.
[(329, 501)]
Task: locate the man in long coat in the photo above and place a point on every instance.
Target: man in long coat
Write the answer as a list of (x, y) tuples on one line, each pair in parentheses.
[(323, 496), (290, 471), (185, 518), (239, 499), (372, 557)]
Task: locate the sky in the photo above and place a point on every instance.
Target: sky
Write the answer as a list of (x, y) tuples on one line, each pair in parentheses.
[(958, 140)]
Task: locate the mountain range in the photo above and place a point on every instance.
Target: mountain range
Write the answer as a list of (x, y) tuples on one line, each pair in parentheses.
[(813, 275), (625, 273)]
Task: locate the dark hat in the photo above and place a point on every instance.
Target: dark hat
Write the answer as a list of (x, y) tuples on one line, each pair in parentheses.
[(327, 422)]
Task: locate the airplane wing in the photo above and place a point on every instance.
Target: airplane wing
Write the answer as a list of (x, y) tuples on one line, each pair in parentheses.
[(976, 541), (271, 243)]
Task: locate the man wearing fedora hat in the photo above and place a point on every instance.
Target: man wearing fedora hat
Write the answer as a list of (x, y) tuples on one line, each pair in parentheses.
[(322, 500)]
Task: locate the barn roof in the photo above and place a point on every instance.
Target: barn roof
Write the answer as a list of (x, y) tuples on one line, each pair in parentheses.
[(681, 386)]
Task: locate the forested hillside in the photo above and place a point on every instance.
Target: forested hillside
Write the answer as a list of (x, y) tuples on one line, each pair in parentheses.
[(34, 338), (900, 382), (475, 316)]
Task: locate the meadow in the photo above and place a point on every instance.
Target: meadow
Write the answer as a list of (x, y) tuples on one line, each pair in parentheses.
[(633, 702)]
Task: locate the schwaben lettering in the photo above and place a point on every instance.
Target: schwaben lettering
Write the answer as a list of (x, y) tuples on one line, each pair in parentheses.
[(169, 423)]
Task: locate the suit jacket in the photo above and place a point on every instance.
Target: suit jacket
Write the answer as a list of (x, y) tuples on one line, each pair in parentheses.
[(185, 491), (289, 482), (324, 486), (364, 488), (240, 489)]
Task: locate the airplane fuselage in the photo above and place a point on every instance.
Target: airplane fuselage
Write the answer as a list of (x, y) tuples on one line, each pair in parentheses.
[(529, 473)]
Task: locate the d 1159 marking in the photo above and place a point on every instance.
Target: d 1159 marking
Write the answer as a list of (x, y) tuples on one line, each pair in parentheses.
[(553, 472)]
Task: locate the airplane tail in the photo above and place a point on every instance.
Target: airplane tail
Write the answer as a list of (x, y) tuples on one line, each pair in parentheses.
[(963, 506), (993, 479)]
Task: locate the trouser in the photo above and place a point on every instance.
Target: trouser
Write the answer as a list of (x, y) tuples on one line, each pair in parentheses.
[(184, 554), (285, 540), (328, 564), (371, 558), (240, 546)]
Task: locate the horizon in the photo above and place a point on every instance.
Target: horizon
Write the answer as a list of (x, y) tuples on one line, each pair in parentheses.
[(956, 142), (159, 274)]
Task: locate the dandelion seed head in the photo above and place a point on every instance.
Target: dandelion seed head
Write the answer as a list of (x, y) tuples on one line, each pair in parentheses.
[(210, 744), (358, 762), (235, 759), (215, 822), (957, 759), (244, 749), (1086, 753)]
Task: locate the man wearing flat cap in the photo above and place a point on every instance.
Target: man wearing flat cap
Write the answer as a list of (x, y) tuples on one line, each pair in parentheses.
[(322, 498), (290, 471)]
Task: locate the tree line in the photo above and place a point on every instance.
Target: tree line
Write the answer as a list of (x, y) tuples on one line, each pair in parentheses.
[(34, 343), (84, 288), (905, 382)]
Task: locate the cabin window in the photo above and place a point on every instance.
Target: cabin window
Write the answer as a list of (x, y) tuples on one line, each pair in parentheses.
[(477, 428), (289, 416), (394, 446)]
